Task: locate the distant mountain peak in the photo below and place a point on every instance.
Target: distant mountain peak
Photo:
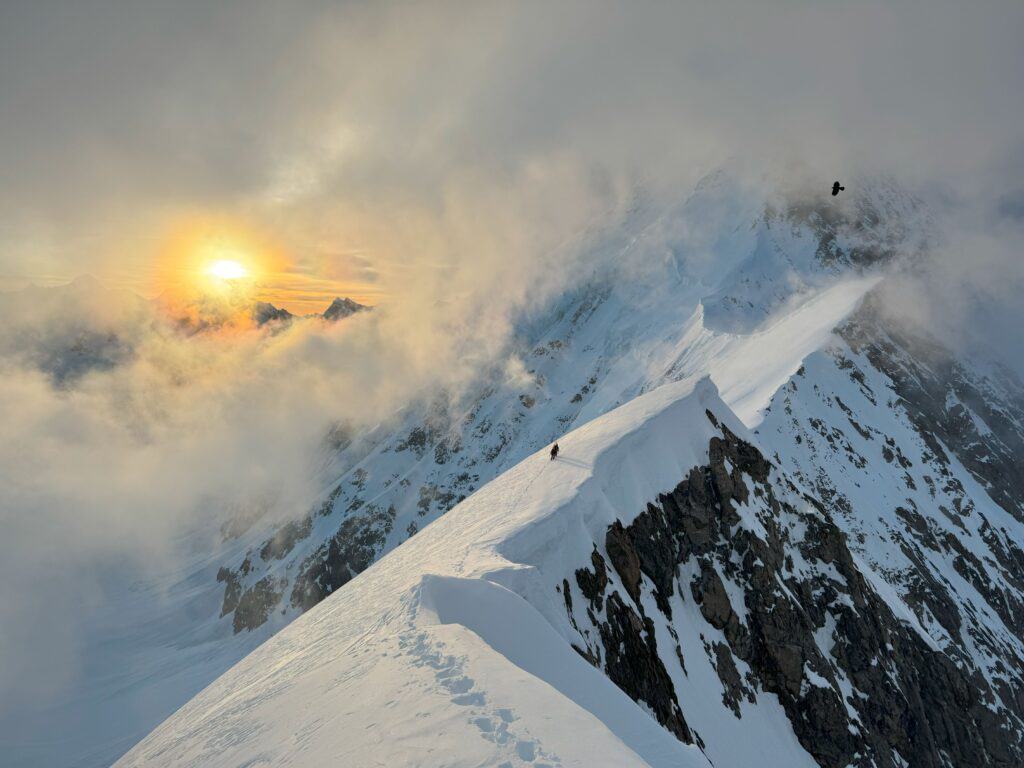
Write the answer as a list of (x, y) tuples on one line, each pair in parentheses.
[(264, 312), (341, 308)]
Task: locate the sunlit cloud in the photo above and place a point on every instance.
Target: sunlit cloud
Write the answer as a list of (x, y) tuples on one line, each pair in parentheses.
[(447, 163)]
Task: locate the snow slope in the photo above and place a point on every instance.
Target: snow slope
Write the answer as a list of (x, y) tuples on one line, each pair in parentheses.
[(445, 652), (884, 426)]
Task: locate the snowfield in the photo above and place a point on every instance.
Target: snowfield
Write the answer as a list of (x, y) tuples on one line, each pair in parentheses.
[(449, 651)]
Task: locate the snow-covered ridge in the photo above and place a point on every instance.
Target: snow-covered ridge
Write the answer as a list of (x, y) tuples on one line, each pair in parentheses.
[(659, 595), (395, 656)]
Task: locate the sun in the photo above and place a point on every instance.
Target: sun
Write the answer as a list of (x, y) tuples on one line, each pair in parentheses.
[(227, 269), (214, 264)]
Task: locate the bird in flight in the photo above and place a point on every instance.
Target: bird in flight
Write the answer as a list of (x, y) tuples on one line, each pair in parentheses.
[(836, 189)]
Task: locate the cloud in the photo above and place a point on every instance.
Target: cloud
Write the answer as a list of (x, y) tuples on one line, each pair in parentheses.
[(460, 159), (117, 114), (967, 293)]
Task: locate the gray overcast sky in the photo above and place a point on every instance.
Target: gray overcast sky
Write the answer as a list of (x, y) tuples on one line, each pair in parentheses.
[(118, 117)]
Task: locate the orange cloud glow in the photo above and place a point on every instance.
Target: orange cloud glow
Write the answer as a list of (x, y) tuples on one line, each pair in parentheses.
[(212, 269)]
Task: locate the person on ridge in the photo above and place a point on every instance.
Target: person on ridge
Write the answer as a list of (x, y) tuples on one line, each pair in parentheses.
[(554, 451)]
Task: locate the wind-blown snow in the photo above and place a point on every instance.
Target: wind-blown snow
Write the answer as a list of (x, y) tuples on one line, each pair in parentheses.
[(751, 368)]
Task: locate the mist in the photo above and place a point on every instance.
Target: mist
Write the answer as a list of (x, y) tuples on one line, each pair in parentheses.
[(458, 163)]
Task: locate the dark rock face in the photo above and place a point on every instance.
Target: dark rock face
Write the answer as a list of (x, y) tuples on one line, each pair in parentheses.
[(264, 312), (624, 558), (935, 438), (858, 686), (232, 590), (592, 584), (286, 537), (349, 552), (353, 547), (342, 308), (630, 655), (633, 664), (255, 604)]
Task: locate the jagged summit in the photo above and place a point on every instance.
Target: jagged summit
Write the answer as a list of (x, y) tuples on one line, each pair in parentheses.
[(264, 312), (341, 308)]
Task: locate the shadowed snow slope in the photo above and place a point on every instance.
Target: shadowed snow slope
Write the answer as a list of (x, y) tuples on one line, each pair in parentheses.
[(448, 650)]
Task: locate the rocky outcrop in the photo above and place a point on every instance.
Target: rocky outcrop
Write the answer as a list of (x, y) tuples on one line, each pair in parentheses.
[(264, 312), (349, 552), (859, 686), (977, 417), (255, 604), (631, 660), (286, 537), (342, 308), (920, 476)]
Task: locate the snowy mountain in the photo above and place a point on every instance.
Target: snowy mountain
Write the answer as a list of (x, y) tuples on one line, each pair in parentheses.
[(591, 350), (67, 331), (661, 594), (784, 529)]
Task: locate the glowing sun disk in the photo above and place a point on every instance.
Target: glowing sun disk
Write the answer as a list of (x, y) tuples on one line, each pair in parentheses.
[(227, 269)]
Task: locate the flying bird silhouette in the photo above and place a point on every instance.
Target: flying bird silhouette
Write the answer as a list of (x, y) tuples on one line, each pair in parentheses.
[(836, 189)]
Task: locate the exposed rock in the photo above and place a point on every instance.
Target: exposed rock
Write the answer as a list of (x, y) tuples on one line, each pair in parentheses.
[(633, 664), (937, 391), (287, 536), (912, 705), (732, 685), (592, 585), (263, 312), (349, 552), (232, 590), (255, 604), (624, 559), (342, 308)]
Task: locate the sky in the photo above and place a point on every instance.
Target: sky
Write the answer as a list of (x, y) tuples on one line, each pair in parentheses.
[(445, 162), (329, 131)]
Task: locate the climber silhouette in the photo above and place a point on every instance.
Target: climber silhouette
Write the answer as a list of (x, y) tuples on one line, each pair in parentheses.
[(554, 451), (836, 189)]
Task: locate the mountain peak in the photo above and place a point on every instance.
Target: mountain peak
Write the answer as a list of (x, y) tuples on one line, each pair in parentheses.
[(264, 312), (341, 308)]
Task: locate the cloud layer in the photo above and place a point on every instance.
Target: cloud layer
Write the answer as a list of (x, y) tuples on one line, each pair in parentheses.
[(316, 118), (454, 159)]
